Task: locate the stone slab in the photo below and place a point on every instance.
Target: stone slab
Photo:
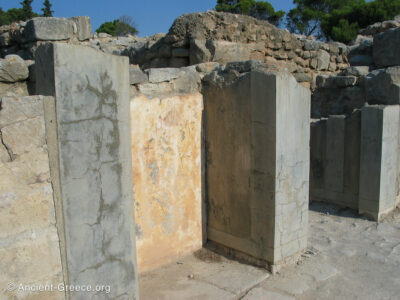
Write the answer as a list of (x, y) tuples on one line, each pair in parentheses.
[(167, 175), (385, 48), (94, 165), (48, 29), (258, 164), (378, 159), (334, 170), (82, 27)]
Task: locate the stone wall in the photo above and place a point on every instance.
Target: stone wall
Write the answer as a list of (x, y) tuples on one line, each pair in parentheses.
[(167, 176), (223, 37), (192, 39), (29, 242), (348, 152)]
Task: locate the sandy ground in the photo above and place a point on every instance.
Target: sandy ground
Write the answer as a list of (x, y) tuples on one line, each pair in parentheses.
[(348, 257)]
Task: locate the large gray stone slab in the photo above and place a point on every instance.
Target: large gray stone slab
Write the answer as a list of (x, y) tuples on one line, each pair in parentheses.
[(335, 154), (257, 131), (91, 165), (385, 49), (48, 29), (378, 160), (351, 172), (382, 86), (163, 74)]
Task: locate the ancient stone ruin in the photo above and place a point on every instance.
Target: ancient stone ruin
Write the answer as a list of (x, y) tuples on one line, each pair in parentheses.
[(120, 155)]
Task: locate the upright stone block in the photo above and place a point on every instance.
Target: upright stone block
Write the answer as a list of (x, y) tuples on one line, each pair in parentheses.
[(386, 45), (334, 171), (378, 162), (82, 27), (258, 132), (91, 166), (317, 158), (351, 166)]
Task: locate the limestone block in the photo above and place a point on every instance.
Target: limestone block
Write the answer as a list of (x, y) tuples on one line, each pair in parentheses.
[(136, 75), (324, 81), (383, 86), (29, 242), (82, 27), (94, 165), (385, 48), (166, 161), (199, 52), (351, 173), (323, 59), (188, 83), (258, 164), (16, 89), (302, 77), (49, 29), (163, 74), (13, 69), (355, 71), (311, 45), (224, 52), (317, 156), (335, 129), (378, 160)]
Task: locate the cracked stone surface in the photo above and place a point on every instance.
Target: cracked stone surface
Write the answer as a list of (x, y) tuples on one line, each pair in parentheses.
[(29, 243), (95, 165), (347, 258)]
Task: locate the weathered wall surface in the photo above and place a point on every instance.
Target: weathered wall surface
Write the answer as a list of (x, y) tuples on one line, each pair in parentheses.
[(257, 133), (92, 166), (379, 160), (335, 160), (354, 160), (292, 125), (193, 38), (29, 243), (166, 158), (223, 37)]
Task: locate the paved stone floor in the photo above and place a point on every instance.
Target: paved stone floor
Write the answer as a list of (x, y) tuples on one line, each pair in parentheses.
[(347, 258)]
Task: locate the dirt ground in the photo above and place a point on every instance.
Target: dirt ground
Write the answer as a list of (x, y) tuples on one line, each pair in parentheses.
[(348, 257)]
